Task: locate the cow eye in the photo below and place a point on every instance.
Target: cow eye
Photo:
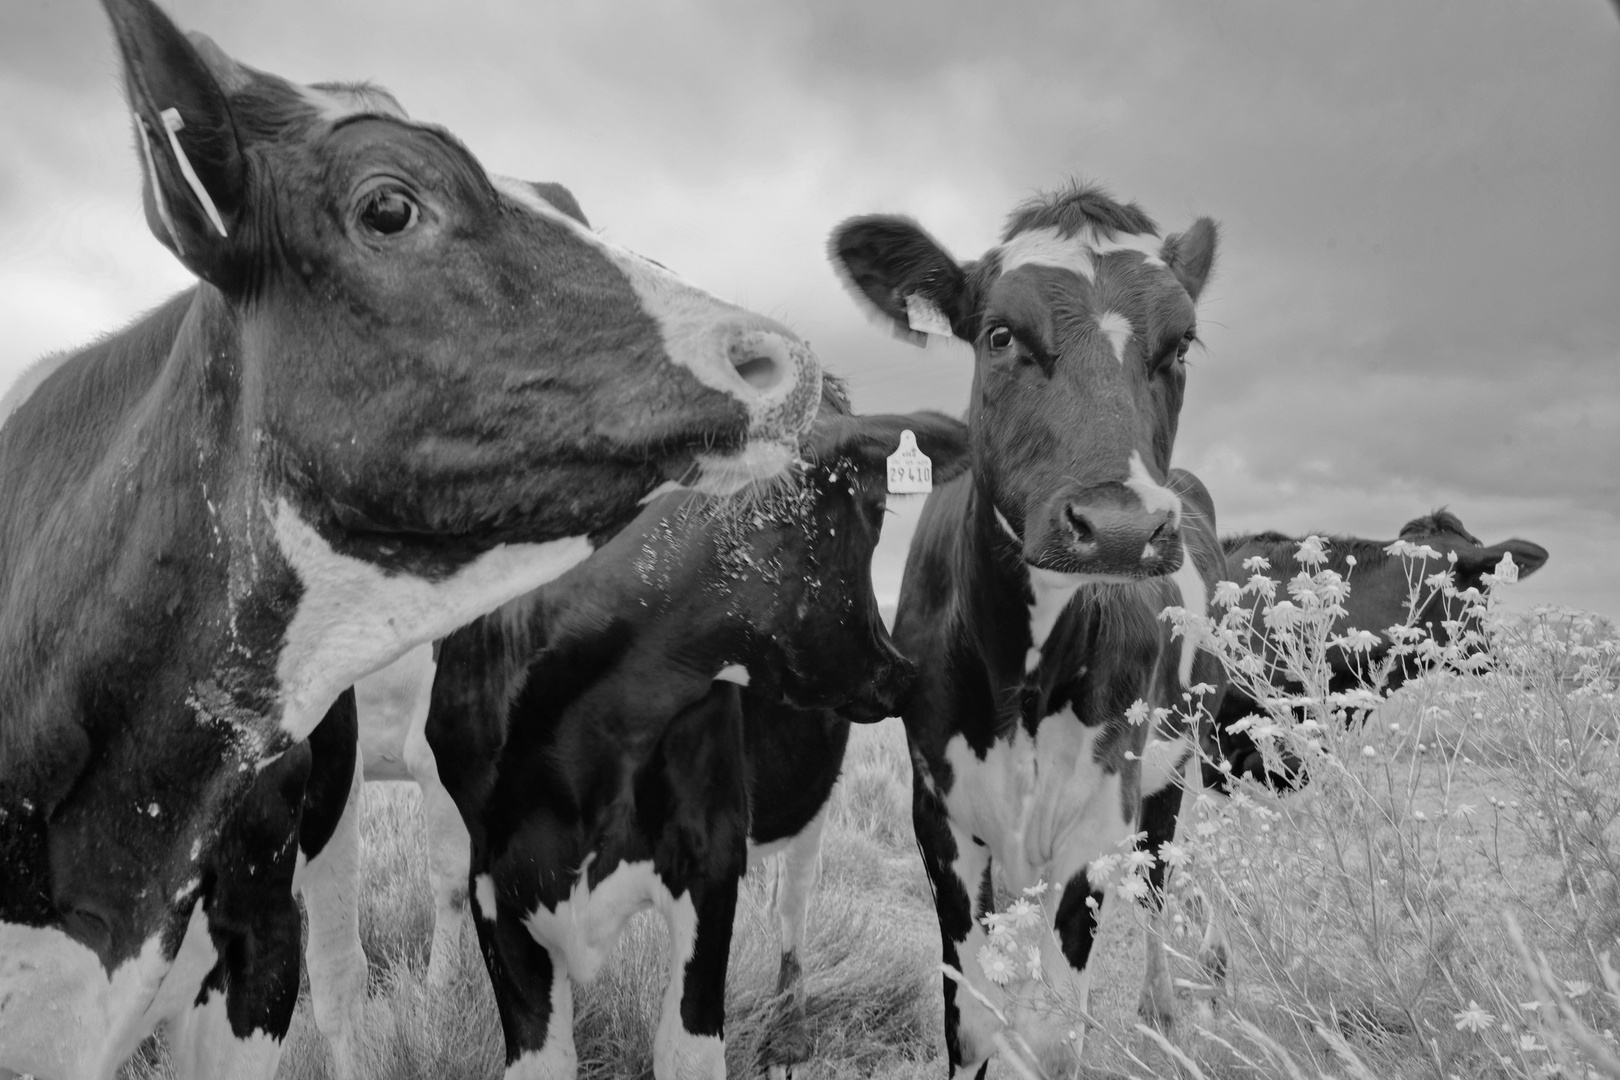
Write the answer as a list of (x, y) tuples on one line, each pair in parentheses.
[(387, 211), (1184, 345), (1000, 338)]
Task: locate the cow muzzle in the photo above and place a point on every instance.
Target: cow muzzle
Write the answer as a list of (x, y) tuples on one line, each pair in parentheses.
[(1109, 538), (887, 693)]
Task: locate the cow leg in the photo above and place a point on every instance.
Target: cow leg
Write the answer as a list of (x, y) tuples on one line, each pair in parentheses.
[(795, 881), (1163, 763), (237, 1023), (449, 855), (330, 883), (958, 868), (690, 1042), (532, 993)]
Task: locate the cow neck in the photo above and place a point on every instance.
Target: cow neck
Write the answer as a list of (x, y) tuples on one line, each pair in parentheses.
[(1013, 611), (145, 569)]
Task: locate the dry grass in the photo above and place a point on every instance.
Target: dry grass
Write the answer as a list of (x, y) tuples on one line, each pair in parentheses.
[(1366, 913)]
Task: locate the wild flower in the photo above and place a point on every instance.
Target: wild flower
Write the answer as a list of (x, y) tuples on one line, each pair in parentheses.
[(1473, 1018), (996, 965)]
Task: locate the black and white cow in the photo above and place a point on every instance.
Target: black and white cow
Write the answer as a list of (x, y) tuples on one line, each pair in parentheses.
[(594, 737), (1032, 591), (403, 392), (1379, 598)]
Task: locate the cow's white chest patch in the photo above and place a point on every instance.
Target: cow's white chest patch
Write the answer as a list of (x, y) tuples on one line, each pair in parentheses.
[(61, 1014), (354, 618), (1043, 803), (1051, 592), (733, 673), (584, 927)]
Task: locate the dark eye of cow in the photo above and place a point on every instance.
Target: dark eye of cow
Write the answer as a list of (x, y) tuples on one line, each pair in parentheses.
[(388, 211), (1000, 338)]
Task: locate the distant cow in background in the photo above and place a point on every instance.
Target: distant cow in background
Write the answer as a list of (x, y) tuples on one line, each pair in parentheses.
[(1032, 590), (1377, 601)]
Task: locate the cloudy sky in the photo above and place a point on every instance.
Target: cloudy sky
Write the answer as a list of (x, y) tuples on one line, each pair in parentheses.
[(1418, 294)]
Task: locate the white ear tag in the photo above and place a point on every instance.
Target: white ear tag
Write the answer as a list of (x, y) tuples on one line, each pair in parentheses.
[(925, 317), (910, 471), (172, 123)]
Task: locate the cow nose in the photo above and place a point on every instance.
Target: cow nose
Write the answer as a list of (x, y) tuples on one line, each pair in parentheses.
[(1112, 539), (760, 358), (778, 377)]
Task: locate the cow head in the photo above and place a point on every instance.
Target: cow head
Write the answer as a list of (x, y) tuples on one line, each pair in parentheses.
[(800, 569), (1444, 533), (427, 359), (1080, 321)]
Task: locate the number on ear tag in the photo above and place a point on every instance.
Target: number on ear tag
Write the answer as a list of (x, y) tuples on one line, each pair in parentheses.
[(925, 317), (910, 471)]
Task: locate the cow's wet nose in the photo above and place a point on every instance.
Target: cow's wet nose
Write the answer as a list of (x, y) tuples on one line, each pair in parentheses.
[(887, 694), (1112, 539), (778, 376), (761, 359)]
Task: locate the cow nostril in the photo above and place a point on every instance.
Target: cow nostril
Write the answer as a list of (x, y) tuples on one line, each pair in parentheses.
[(760, 372), (761, 360), (1077, 522), (1159, 533)]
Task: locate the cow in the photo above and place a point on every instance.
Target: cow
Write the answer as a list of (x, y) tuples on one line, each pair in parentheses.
[(1378, 599), (594, 735), (403, 391), (1033, 585)]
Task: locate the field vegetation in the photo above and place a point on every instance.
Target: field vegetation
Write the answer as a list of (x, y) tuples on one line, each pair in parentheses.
[(1440, 901)]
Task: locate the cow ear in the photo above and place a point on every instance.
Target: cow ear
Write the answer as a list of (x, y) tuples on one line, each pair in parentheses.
[(897, 268), (1191, 255), (1474, 561), (869, 440), (195, 175), (562, 199)]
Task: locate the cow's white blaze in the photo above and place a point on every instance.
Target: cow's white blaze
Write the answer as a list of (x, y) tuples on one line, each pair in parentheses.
[(1047, 247), (1117, 329), (1144, 244), (1154, 495), (694, 323), (1077, 253), (354, 618)]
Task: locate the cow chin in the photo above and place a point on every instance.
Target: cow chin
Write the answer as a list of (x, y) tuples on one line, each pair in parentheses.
[(1107, 560), (758, 462)]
